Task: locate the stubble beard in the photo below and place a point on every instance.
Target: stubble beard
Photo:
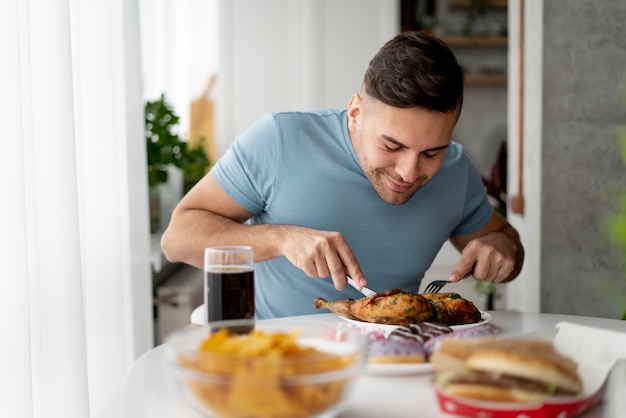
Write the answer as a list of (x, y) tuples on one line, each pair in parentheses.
[(378, 180)]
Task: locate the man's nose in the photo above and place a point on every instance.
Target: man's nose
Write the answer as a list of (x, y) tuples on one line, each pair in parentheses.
[(407, 167)]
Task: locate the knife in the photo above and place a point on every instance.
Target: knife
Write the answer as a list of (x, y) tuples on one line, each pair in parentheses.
[(367, 292)]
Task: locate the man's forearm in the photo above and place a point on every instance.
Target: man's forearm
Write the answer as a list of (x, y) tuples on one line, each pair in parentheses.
[(191, 231)]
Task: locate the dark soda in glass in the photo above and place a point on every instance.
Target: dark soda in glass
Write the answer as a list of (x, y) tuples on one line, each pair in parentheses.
[(229, 293)]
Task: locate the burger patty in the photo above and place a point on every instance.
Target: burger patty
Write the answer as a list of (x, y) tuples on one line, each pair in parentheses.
[(509, 382)]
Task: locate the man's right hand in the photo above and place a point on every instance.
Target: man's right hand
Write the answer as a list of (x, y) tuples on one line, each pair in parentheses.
[(321, 254)]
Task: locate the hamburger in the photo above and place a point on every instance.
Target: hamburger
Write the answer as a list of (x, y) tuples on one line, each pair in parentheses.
[(504, 370)]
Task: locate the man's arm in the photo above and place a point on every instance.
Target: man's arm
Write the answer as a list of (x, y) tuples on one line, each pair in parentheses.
[(208, 216), (494, 253)]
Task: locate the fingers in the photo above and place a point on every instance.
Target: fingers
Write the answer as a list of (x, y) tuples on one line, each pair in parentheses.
[(322, 262), (485, 260), (352, 268), (308, 267), (339, 263), (323, 254), (463, 268)]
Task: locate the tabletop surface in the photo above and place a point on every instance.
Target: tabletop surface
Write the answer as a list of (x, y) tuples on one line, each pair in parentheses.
[(148, 390)]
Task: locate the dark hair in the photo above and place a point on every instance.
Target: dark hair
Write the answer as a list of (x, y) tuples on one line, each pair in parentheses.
[(415, 69)]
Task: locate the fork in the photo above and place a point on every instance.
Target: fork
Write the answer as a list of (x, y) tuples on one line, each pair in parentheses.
[(435, 286)]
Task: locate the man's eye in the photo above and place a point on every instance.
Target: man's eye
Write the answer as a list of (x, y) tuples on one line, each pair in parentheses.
[(430, 154), (390, 148)]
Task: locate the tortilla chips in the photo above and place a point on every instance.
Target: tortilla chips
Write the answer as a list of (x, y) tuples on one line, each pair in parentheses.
[(266, 375)]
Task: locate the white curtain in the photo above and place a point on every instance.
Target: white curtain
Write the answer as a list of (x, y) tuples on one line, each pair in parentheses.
[(75, 271)]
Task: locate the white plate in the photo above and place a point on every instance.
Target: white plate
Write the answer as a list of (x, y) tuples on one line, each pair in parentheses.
[(398, 369), (486, 317)]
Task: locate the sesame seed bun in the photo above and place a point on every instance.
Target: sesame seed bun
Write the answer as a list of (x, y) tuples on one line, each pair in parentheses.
[(535, 361), (452, 353), (504, 370)]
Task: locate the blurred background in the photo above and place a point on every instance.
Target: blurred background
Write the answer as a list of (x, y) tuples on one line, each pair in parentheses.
[(112, 111)]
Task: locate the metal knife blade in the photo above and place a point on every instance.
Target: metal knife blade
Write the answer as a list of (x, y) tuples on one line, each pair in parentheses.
[(367, 292)]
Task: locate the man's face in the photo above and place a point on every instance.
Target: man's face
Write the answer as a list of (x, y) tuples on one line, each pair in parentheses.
[(400, 150)]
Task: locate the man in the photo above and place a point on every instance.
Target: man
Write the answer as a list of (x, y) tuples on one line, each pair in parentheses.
[(371, 192)]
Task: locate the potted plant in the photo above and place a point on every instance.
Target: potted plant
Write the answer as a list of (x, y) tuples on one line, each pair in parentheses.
[(165, 150)]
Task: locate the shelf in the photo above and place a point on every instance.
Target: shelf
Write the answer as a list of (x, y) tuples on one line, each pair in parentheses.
[(466, 4), (461, 41), (485, 79)]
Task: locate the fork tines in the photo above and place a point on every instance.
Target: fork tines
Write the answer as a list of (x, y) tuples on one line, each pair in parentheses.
[(435, 286)]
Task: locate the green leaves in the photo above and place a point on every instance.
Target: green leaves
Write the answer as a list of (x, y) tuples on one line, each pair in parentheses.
[(165, 148), (616, 222)]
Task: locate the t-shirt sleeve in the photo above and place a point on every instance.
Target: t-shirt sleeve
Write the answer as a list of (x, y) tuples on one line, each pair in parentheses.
[(477, 210), (247, 169)]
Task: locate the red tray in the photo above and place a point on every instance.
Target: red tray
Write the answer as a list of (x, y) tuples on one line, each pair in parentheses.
[(552, 408)]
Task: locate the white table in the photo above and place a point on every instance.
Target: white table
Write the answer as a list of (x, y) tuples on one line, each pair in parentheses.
[(149, 391)]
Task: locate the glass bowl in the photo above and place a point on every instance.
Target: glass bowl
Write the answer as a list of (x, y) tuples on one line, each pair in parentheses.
[(275, 371)]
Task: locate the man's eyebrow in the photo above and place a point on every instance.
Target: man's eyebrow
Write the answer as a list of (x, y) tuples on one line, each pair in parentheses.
[(400, 144), (437, 148), (393, 140)]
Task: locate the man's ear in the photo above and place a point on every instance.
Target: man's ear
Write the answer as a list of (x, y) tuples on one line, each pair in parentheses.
[(355, 107)]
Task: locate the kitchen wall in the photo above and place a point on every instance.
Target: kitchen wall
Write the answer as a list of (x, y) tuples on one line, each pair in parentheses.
[(574, 100), (179, 51), (584, 69)]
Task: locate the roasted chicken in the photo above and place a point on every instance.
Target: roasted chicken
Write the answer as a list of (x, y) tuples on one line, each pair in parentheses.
[(452, 309), (393, 307), (396, 307)]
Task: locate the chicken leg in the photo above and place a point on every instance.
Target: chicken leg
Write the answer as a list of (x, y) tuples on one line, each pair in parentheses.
[(340, 307)]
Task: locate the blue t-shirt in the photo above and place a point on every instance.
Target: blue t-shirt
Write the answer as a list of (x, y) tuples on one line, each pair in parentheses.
[(299, 168)]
